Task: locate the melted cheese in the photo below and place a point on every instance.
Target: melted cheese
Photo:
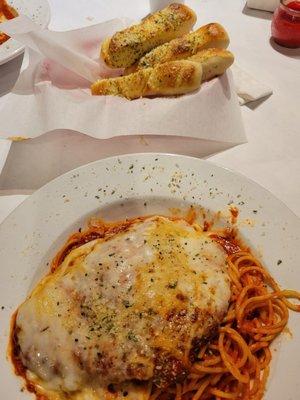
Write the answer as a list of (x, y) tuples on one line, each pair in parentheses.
[(116, 304)]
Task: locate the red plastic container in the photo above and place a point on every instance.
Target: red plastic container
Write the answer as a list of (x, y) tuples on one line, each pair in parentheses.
[(286, 24)]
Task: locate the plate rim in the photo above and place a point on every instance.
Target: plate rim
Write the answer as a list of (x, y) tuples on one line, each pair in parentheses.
[(229, 170), (170, 161)]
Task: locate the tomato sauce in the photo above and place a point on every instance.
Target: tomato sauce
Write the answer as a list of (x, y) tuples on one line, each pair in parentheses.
[(6, 12), (286, 24), (228, 245)]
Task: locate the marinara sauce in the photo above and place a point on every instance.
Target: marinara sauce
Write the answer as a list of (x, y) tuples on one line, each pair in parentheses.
[(286, 24)]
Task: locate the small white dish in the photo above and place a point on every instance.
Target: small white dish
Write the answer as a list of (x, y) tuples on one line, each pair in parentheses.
[(38, 11)]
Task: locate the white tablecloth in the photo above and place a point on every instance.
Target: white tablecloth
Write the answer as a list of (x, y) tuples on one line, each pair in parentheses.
[(271, 157)]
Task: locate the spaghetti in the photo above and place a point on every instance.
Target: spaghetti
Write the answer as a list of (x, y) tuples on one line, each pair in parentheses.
[(235, 363)]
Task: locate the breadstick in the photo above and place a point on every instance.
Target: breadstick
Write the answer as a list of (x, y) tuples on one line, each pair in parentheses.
[(172, 78), (214, 62), (211, 35), (126, 47)]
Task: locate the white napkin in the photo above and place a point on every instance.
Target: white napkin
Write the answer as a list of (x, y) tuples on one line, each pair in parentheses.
[(265, 5), (248, 88)]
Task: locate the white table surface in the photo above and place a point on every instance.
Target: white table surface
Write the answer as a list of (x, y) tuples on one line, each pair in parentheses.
[(271, 157)]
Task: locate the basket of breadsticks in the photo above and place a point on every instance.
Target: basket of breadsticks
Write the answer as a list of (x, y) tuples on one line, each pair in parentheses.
[(161, 76), (163, 56)]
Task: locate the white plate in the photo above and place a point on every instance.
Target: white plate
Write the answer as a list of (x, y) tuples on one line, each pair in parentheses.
[(38, 11), (141, 184)]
